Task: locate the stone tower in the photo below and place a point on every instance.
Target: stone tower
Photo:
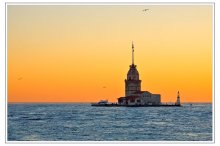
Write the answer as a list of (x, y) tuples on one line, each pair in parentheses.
[(132, 83)]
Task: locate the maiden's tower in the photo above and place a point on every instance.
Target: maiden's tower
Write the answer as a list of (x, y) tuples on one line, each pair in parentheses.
[(134, 96), (133, 93)]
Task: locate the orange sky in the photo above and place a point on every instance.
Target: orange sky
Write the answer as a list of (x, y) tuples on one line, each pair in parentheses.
[(81, 53)]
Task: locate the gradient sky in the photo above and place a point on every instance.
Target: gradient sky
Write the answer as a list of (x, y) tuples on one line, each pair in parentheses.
[(81, 53)]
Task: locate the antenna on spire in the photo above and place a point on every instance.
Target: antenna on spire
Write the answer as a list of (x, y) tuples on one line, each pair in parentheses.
[(132, 52)]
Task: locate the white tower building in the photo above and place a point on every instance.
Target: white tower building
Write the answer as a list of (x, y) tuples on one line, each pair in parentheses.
[(178, 99)]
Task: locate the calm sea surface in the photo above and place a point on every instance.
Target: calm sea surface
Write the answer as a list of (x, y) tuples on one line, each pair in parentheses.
[(82, 122)]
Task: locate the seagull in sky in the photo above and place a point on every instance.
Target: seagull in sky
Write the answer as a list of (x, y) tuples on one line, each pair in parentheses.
[(145, 10), (20, 78)]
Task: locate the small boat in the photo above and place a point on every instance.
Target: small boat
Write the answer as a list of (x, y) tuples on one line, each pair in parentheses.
[(100, 103)]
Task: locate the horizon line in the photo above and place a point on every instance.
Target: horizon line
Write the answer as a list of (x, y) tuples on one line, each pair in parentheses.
[(93, 102)]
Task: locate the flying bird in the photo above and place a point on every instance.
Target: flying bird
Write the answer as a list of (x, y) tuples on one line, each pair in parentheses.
[(145, 10), (20, 78)]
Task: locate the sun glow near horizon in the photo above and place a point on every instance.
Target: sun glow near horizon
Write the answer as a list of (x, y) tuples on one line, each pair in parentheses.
[(81, 53)]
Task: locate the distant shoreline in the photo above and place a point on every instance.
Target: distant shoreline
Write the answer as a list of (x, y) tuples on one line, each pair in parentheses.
[(91, 102)]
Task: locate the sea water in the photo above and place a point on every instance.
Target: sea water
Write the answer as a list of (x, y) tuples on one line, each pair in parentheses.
[(83, 122)]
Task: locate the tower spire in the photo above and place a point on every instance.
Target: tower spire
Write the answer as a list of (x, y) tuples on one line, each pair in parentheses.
[(132, 53)]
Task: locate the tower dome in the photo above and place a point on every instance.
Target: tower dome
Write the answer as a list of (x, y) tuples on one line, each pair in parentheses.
[(133, 73)]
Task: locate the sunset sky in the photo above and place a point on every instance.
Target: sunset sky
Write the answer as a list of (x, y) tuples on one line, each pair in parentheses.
[(82, 53)]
